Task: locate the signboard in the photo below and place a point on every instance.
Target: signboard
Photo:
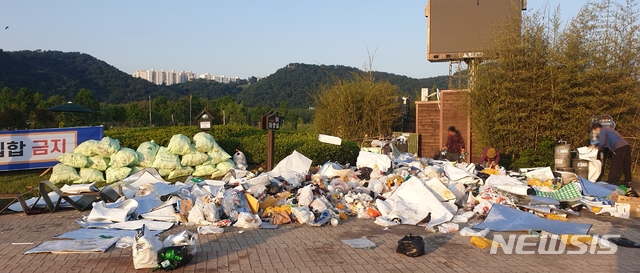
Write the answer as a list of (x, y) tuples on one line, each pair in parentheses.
[(273, 122), (270, 121), (37, 149), (460, 29), (205, 125)]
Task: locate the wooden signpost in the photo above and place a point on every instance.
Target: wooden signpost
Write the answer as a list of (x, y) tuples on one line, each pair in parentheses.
[(270, 122)]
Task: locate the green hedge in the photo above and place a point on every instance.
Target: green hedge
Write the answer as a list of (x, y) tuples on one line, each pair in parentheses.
[(251, 140)]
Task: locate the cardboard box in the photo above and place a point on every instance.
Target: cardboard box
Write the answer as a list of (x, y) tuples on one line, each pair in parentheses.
[(634, 202)]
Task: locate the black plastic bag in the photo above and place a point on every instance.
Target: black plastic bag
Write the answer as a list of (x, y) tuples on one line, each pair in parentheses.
[(412, 246), (170, 258), (365, 173)]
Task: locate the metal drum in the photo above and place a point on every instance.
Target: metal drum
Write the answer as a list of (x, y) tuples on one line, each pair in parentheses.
[(562, 156), (581, 168)]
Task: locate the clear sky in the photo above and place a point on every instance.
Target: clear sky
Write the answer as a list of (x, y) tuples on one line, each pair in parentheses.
[(232, 38)]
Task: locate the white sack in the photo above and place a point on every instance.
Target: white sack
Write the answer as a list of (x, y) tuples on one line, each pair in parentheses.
[(412, 202), (595, 165), (248, 221), (114, 212), (147, 153), (295, 162), (145, 250), (180, 145), (371, 160)]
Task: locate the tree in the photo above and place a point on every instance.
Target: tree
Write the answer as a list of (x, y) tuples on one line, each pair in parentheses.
[(86, 98), (543, 83), (6, 98), (137, 114), (24, 101), (357, 107)]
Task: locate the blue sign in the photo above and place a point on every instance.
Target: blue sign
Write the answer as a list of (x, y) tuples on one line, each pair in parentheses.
[(38, 149)]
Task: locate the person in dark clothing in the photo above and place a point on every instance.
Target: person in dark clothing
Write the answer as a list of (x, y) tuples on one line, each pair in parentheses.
[(621, 160), (455, 145), (490, 158)]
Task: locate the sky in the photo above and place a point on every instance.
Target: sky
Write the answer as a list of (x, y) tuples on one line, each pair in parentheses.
[(233, 38)]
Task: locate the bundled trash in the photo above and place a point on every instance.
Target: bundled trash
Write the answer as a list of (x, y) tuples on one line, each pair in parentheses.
[(107, 161)]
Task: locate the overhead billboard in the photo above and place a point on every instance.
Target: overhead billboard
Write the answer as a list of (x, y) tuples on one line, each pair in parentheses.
[(37, 149), (457, 29)]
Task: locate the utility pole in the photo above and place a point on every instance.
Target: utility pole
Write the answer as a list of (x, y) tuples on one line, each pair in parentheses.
[(149, 110), (190, 105)]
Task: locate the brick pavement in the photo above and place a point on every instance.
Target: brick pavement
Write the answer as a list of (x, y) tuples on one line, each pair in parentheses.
[(296, 248)]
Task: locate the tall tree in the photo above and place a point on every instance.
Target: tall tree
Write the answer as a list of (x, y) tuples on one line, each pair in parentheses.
[(543, 83)]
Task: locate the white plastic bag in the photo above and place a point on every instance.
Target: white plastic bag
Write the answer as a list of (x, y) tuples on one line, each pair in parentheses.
[(184, 238), (62, 173), (203, 142), (180, 172), (86, 148), (248, 221), (124, 158), (468, 232), (210, 211), (223, 167), (180, 145), (97, 162), (448, 228), (210, 230), (145, 249), (305, 196), (166, 160), (204, 170), (73, 160), (117, 174), (147, 153), (196, 217), (303, 215), (106, 147), (90, 176), (240, 160), (463, 218), (218, 155), (194, 159)]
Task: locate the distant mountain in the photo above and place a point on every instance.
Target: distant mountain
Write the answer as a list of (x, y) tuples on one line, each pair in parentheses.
[(60, 73), (296, 84), (64, 73)]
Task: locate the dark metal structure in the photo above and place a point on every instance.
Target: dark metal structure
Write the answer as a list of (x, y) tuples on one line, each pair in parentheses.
[(459, 30)]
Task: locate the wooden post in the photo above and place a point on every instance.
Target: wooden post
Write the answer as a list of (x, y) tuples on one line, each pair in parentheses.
[(270, 150)]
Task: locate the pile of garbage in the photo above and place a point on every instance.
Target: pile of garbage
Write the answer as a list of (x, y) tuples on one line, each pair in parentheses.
[(106, 161), (395, 189)]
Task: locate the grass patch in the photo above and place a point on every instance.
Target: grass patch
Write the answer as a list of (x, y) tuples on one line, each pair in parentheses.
[(20, 181)]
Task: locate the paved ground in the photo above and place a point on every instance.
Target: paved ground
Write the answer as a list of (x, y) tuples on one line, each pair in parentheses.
[(296, 248)]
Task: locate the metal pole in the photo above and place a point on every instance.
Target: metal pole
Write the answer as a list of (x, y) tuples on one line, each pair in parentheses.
[(270, 149), (190, 118), (149, 110)]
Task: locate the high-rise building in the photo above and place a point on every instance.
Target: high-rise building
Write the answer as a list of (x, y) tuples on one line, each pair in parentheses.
[(165, 77)]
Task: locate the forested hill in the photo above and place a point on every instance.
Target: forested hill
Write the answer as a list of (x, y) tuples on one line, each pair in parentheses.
[(296, 84), (59, 73), (64, 73)]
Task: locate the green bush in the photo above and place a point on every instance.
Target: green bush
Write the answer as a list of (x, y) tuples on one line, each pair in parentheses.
[(541, 156), (251, 140), (321, 152)]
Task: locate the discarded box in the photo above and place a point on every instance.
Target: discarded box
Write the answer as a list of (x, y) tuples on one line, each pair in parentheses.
[(634, 203)]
